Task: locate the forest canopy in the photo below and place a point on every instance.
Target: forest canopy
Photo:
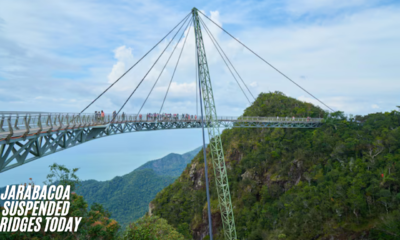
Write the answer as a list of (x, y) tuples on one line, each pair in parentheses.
[(339, 180)]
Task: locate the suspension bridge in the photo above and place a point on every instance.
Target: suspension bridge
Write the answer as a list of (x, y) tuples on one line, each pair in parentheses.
[(28, 136)]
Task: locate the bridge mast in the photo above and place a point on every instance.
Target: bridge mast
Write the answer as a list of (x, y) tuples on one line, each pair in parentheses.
[(217, 153)]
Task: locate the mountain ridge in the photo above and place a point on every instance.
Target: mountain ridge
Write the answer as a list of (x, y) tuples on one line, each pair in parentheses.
[(338, 181), (127, 197)]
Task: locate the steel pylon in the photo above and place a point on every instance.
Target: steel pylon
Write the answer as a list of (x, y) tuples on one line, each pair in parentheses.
[(217, 153)]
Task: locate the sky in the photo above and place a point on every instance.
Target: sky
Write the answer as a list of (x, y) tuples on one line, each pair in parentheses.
[(58, 56)]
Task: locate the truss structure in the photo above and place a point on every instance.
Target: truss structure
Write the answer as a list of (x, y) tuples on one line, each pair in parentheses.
[(215, 143), (27, 136)]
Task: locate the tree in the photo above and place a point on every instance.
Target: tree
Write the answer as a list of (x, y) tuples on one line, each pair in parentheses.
[(151, 228), (341, 165), (62, 176), (95, 223)]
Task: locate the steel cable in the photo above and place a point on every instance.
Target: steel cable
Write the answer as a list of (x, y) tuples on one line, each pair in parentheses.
[(173, 74), (148, 71), (267, 62), (163, 68), (215, 40), (226, 63), (184, 19)]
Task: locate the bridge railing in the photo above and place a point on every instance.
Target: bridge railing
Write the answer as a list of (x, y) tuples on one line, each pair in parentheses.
[(28, 122), (18, 121), (270, 119)]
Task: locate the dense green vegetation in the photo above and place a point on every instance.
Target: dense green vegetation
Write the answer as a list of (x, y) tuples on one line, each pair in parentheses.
[(128, 197), (95, 223), (151, 228), (171, 165), (339, 181)]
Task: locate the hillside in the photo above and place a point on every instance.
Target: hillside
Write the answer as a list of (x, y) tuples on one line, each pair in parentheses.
[(128, 197), (339, 181), (171, 165)]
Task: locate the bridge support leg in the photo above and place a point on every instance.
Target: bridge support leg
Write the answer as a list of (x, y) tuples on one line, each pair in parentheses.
[(217, 153)]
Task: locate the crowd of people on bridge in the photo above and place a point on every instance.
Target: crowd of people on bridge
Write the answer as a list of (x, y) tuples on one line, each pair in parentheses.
[(100, 116), (169, 116), (293, 118)]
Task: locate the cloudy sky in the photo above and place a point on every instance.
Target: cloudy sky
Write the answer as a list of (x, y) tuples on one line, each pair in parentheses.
[(59, 55)]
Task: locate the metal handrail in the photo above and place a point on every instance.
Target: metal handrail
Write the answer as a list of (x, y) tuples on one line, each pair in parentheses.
[(24, 121)]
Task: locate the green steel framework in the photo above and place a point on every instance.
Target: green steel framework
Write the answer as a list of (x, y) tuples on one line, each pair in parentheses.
[(28, 136), (217, 153)]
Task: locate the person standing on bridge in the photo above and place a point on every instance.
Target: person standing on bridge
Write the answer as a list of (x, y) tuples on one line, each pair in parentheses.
[(123, 116), (95, 116), (114, 115), (102, 116)]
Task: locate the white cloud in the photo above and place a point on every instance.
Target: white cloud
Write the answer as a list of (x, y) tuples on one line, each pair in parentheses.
[(323, 6), (337, 103), (346, 57), (374, 106), (185, 89), (125, 60)]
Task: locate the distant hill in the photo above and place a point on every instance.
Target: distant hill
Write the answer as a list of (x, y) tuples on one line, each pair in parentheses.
[(128, 197), (172, 164)]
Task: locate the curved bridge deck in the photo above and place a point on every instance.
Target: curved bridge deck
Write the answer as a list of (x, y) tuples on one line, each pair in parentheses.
[(27, 136)]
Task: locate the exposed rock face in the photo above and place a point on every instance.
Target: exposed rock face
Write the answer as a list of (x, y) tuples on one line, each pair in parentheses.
[(296, 171), (251, 175), (234, 154), (195, 176), (192, 172), (202, 230), (151, 207)]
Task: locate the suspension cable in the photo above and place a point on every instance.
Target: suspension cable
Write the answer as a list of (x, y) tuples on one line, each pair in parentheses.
[(267, 62), (164, 67), (215, 40), (226, 63), (196, 79), (148, 71), (176, 66), (184, 19)]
